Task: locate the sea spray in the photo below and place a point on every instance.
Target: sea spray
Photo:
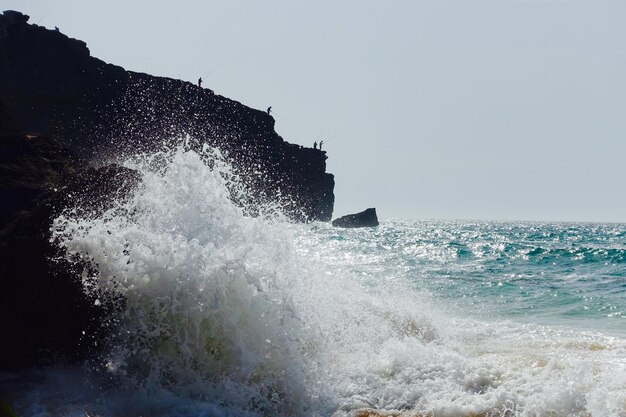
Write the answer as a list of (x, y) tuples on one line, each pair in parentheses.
[(227, 315), (206, 308)]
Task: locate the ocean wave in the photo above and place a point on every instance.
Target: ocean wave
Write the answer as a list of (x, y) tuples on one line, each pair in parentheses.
[(221, 314)]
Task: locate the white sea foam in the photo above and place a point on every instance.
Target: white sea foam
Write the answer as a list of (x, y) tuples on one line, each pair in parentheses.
[(229, 315), (207, 307)]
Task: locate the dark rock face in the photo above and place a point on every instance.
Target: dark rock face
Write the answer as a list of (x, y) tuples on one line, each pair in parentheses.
[(44, 313), (60, 109), (51, 86), (365, 218)]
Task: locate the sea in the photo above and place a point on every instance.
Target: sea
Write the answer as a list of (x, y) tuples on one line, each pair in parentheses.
[(226, 314)]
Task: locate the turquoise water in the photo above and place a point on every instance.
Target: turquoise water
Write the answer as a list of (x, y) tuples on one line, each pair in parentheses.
[(226, 315), (570, 274)]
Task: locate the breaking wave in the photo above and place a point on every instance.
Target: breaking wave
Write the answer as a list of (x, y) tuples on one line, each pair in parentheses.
[(220, 314)]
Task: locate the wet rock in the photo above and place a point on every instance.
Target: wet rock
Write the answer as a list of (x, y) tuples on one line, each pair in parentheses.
[(45, 314)]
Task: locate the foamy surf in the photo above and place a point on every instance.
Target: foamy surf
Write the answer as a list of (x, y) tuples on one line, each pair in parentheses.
[(227, 315)]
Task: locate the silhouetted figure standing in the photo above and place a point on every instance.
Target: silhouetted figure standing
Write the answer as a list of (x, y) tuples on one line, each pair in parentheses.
[(321, 143), (315, 145), (269, 110), (200, 82)]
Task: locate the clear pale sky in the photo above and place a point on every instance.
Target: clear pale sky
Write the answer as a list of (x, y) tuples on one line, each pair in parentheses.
[(451, 109)]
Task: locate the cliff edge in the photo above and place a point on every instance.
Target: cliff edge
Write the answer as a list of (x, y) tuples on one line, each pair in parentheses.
[(51, 86)]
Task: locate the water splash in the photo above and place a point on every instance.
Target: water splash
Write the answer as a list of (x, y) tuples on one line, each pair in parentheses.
[(228, 315), (206, 309)]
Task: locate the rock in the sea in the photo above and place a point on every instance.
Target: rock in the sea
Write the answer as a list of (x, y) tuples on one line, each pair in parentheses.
[(365, 218)]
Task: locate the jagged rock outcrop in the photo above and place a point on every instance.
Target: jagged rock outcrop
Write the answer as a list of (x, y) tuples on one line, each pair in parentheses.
[(50, 85), (60, 108), (365, 218)]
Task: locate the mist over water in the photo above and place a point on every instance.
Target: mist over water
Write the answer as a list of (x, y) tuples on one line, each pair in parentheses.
[(219, 314)]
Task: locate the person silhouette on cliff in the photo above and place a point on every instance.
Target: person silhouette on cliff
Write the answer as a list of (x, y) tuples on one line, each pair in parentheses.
[(200, 82), (321, 143), (315, 145), (269, 110)]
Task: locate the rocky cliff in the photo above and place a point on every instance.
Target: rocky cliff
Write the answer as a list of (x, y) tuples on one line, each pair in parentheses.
[(62, 109), (50, 85)]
